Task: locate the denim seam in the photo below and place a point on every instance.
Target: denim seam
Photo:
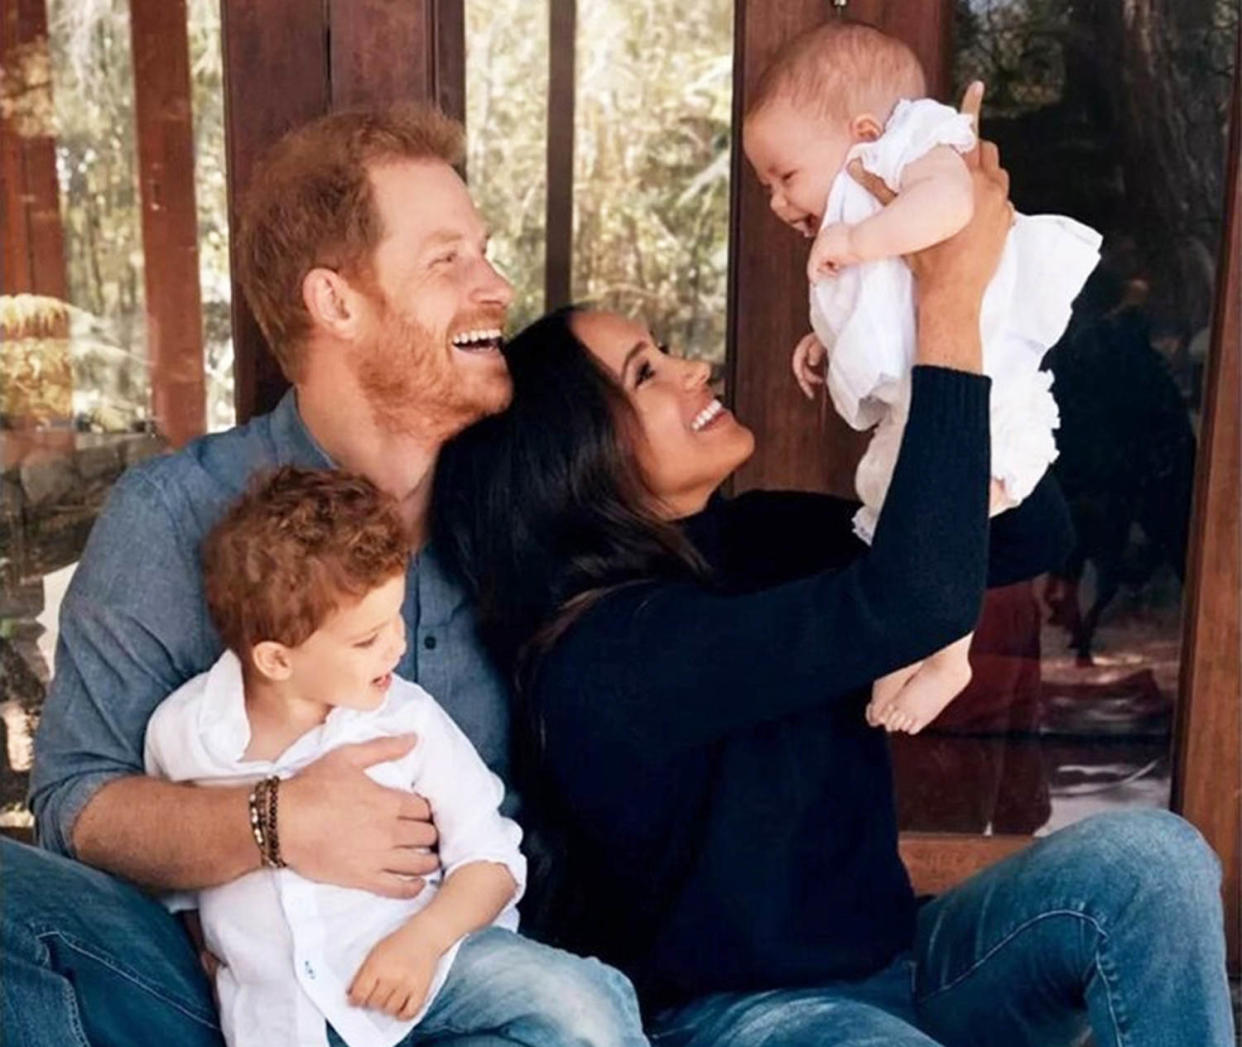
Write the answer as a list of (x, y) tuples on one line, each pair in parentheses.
[(75, 1018), (71, 1001), (1006, 940), (129, 975), (1120, 1037)]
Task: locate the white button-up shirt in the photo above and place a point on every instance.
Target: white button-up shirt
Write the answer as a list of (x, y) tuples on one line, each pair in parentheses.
[(291, 946)]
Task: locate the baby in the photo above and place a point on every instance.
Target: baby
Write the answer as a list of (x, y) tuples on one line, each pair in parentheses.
[(305, 581), (842, 92)]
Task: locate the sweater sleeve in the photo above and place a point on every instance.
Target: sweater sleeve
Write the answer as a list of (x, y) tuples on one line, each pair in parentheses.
[(685, 665)]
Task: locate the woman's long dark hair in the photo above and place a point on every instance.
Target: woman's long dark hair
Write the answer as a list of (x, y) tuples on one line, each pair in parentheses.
[(541, 510)]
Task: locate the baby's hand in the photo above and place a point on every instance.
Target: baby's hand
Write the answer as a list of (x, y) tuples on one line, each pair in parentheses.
[(808, 360), (395, 976), (832, 251), (999, 499)]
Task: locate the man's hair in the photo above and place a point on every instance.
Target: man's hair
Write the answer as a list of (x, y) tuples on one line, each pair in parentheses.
[(839, 70), (310, 204), (296, 545)]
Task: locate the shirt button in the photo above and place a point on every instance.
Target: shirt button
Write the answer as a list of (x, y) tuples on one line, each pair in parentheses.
[(310, 971), (429, 642)]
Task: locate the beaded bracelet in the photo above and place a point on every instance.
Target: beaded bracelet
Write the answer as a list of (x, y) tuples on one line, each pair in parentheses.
[(263, 803), (273, 838)]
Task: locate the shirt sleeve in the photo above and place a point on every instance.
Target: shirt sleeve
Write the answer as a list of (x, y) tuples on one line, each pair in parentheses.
[(661, 668), (158, 755), (128, 628), (465, 800)]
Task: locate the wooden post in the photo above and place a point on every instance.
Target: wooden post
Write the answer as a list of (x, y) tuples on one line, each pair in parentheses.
[(1207, 773), (562, 43), (165, 131), (803, 445), (289, 61), (34, 358), (33, 255)]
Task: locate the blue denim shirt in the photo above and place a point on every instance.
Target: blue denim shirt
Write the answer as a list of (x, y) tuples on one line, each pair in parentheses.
[(134, 623)]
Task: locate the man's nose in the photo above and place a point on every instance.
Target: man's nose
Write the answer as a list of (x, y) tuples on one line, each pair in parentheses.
[(493, 289)]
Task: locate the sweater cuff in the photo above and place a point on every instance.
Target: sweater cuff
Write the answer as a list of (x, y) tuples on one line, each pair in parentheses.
[(944, 397)]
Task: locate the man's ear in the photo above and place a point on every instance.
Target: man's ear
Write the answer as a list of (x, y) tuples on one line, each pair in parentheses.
[(866, 128), (272, 659), (332, 303)]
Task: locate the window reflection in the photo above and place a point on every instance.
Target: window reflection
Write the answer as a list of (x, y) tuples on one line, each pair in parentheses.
[(1115, 114), (75, 402)]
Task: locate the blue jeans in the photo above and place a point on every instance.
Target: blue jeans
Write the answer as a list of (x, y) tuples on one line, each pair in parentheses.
[(1113, 925), (512, 987), (86, 960)]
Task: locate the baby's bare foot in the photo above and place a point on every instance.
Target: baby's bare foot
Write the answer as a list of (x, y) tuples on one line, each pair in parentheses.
[(939, 680), (885, 690), (917, 706)]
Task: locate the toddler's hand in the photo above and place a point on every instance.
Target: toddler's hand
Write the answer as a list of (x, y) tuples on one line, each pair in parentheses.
[(832, 250), (395, 976), (808, 361)]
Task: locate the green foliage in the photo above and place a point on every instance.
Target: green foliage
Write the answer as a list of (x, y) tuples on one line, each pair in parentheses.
[(96, 160), (651, 156)]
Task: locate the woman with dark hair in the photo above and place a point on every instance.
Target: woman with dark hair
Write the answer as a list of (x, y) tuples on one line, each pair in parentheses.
[(692, 673)]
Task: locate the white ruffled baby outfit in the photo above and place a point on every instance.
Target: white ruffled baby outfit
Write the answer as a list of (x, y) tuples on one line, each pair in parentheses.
[(864, 316)]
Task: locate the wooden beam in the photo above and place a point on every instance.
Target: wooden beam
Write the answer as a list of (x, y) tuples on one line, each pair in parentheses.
[(562, 45), (1207, 772), (275, 77), (939, 861), (313, 56), (34, 252), (164, 122), (448, 34), (15, 275), (801, 444), (378, 53)]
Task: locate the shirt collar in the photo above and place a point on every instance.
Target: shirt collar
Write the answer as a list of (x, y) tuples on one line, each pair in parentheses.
[(224, 724), (294, 443), (226, 727)]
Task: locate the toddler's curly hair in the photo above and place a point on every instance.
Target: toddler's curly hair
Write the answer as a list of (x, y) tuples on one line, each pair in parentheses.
[(293, 548)]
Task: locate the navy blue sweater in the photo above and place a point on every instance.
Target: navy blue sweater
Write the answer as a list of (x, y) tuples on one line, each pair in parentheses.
[(729, 813)]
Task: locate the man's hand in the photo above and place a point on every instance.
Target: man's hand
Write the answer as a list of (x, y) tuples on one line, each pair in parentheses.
[(831, 252), (338, 826), (808, 361), (396, 974)]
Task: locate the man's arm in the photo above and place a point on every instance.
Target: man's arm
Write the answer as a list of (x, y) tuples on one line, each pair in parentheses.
[(132, 631)]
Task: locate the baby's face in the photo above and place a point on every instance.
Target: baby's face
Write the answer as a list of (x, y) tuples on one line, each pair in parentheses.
[(796, 156)]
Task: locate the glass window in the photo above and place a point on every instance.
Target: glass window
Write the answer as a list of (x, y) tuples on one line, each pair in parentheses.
[(651, 171), (506, 138), (75, 404), (1121, 123), (651, 127)]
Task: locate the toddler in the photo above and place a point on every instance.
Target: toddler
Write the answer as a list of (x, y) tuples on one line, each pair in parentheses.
[(305, 581), (841, 92)]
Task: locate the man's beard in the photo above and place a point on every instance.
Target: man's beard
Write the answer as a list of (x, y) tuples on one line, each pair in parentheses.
[(412, 387)]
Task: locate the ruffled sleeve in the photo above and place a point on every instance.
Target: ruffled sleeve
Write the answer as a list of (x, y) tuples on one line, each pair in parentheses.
[(915, 129)]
